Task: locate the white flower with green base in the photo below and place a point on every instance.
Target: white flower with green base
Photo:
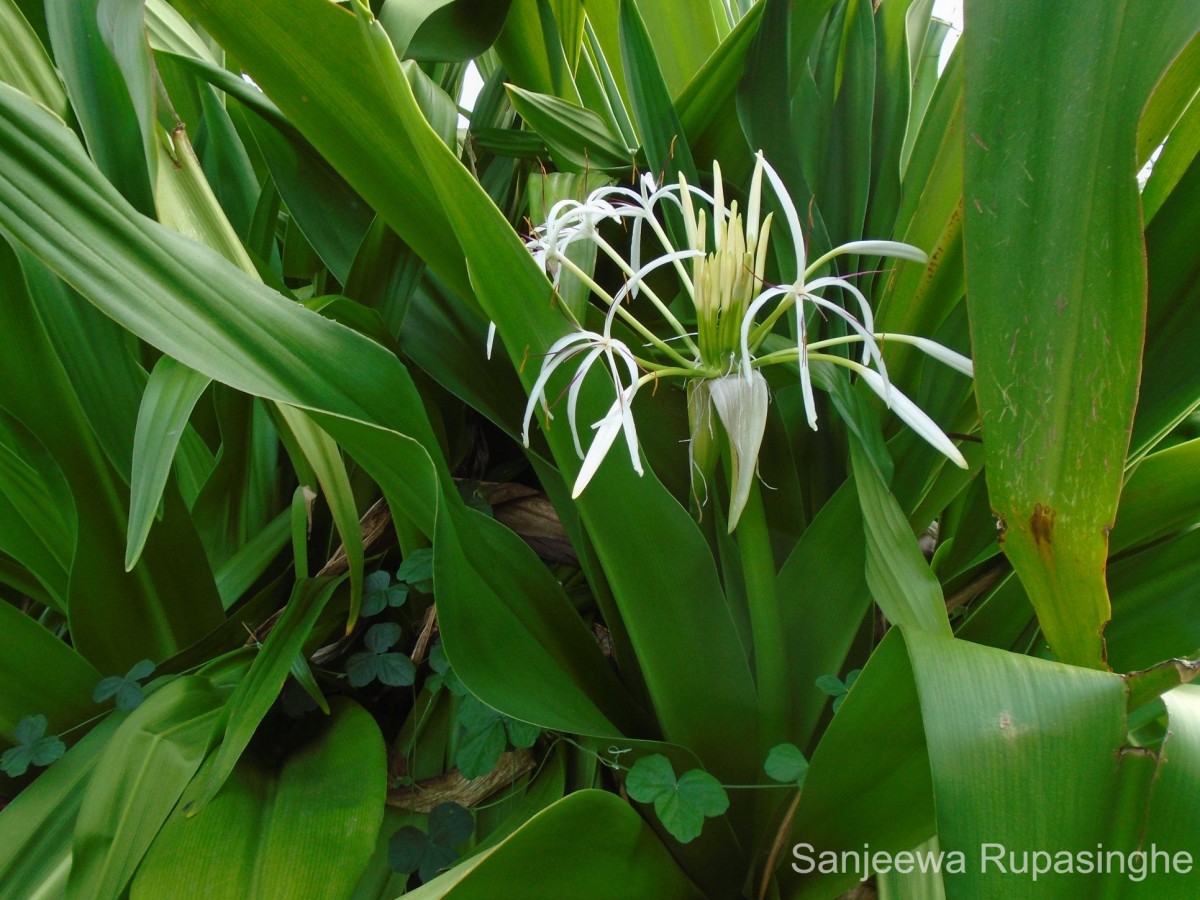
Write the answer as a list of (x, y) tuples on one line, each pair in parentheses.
[(720, 361)]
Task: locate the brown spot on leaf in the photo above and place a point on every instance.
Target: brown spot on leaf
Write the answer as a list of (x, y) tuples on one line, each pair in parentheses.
[(1041, 523)]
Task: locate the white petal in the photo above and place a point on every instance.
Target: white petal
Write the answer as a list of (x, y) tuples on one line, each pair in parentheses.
[(573, 394), (942, 354), (894, 249), (916, 418), (742, 407), (748, 321), (867, 337), (868, 317), (607, 430), (491, 338), (789, 211), (631, 285)]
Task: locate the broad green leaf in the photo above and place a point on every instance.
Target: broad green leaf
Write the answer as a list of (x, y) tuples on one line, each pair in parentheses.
[(947, 735), (38, 526), (241, 570), (897, 574), (116, 618), (1161, 496), (328, 211), (589, 844), (100, 98), (443, 29), (345, 109), (171, 394), (253, 346), (662, 134), (1153, 591), (257, 691), (1057, 359), (139, 777), (39, 823), (1168, 392), (578, 138), (327, 464), (681, 34), (24, 63), (823, 604), (304, 828), (1176, 158)]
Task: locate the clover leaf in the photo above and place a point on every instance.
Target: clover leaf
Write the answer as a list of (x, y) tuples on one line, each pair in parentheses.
[(127, 689), (34, 747), (379, 593), (485, 732), (835, 688), (681, 804), (412, 850), (393, 669), (445, 676), (787, 764), (417, 570)]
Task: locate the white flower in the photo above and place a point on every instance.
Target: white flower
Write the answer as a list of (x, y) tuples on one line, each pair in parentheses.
[(735, 311), (621, 365)]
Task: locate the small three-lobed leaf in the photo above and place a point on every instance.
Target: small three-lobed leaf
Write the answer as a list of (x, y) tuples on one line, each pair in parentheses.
[(427, 853), (682, 803), (836, 688), (416, 570), (127, 689), (785, 763), (484, 733), (378, 663), (379, 593), (34, 747), (444, 675)]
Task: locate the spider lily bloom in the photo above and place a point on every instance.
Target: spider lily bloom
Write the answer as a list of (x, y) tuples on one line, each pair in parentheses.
[(722, 270)]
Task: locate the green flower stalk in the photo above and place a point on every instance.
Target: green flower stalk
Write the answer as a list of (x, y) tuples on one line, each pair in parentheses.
[(736, 309)]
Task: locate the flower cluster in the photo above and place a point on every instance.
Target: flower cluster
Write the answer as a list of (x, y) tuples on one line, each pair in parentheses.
[(736, 310)]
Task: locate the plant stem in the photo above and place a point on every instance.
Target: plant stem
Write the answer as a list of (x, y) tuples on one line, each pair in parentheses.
[(770, 657), (780, 837)]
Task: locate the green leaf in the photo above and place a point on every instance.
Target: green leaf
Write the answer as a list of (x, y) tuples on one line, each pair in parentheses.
[(831, 685), (681, 804), (117, 137), (171, 394), (577, 138), (256, 692), (417, 570), (144, 769), (126, 689), (33, 747), (786, 763), (589, 843), (324, 455), (662, 134), (521, 734), (482, 738), (412, 850), (381, 637), (39, 671), (898, 575), (1057, 361), (443, 29), (379, 593), (304, 828), (39, 823), (24, 63)]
